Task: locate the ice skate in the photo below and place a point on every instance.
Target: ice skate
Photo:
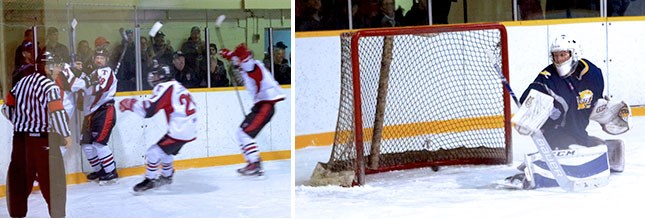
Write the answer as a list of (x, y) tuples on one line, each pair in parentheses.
[(252, 169), (94, 176), (164, 180), (109, 178), (144, 185)]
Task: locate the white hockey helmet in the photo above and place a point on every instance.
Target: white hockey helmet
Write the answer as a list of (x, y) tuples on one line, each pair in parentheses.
[(565, 43)]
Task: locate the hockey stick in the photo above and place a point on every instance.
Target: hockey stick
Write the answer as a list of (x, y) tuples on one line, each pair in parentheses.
[(220, 40), (538, 138), (124, 43), (72, 42)]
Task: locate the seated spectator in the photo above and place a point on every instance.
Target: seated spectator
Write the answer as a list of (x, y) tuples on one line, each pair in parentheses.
[(161, 49), (218, 74), (184, 74), (389, 17), (281, 68), (53, 46)]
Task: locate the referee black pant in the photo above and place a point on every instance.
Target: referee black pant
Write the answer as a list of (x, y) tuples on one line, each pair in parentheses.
[(32, 159)]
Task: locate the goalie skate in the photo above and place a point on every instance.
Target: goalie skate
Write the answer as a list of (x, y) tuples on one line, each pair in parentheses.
[(252, 169)]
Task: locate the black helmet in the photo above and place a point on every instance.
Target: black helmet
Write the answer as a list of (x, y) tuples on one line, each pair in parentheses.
[(102, 52), (160, 73)]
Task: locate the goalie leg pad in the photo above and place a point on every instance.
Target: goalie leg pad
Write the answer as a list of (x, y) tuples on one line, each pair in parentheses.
[(616, 152), (581, 164)]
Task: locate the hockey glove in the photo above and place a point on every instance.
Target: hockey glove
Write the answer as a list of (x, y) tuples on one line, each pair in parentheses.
[(227, 54), (127, 104)]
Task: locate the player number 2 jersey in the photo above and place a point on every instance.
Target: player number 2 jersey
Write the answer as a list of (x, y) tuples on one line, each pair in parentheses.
[(179, 107)]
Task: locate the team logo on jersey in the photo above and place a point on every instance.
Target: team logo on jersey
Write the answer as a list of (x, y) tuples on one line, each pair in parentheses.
[(546, 74), (584, 99)]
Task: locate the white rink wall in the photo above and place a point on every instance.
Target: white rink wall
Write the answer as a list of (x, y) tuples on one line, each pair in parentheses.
[(219, 116), (615, 47)]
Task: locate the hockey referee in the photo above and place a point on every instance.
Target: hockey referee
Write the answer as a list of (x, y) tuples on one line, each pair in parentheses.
[(34, 107)]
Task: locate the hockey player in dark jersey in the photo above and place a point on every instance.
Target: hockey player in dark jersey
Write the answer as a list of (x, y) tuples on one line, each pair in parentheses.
[(575, 87)]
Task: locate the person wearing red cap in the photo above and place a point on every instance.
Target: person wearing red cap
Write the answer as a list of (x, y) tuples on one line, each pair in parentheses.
[(101, 43)]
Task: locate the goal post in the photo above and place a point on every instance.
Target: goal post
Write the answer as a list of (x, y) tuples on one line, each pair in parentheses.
[(419, 97)]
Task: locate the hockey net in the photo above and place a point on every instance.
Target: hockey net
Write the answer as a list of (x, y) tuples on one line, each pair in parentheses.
[(419, 97)]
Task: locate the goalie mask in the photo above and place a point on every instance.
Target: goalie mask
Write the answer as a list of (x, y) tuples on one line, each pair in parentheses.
[(563, 43), (160, 73)]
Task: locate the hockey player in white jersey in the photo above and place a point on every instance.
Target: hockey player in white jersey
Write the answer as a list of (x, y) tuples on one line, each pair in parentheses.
[(180, 109), (70, 85), (100, 118), (259, 82)]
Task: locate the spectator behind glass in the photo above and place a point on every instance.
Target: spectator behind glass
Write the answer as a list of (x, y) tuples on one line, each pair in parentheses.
[(572, 9), (617, 7), (311, 17), (530, 9), (84, 54), (339, 20), (127, 69), (146, 61), (418, 14), (184, 74), (28, 37), (281, 68), (388, 16), (53, 46), (218, 74), (161, 49), (194, 50)]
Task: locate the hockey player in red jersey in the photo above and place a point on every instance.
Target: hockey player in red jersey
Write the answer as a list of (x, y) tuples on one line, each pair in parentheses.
[(180, 109), (100, 118), (260, 83)]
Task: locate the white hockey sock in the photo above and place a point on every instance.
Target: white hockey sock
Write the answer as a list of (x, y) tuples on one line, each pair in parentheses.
[(92, 156), (105, 156), (153, 156), (249, 148), (167, 165)]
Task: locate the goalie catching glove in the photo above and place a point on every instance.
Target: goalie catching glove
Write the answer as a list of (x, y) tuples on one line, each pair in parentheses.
[(614, 116), (533, 113)]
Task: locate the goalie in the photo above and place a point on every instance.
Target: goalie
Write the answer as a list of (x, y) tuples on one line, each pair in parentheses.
[(559, 103)]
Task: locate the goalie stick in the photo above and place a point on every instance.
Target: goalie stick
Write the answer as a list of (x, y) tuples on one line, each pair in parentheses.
[(542, 145)]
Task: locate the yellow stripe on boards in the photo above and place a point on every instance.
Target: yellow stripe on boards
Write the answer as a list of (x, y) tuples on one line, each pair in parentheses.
[(409, 130)]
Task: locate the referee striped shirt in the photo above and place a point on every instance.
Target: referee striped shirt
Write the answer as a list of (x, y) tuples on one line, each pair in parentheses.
[(35, 105)]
